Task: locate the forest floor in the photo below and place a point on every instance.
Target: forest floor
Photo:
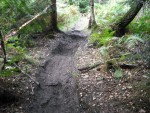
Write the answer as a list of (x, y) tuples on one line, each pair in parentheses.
[(99, 91)]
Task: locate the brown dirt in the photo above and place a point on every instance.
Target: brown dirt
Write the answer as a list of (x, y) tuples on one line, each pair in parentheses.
[(19, 87), (101, 92)]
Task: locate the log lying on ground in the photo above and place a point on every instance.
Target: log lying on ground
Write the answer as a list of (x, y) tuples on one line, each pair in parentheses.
[(95, 65), (87, 68)]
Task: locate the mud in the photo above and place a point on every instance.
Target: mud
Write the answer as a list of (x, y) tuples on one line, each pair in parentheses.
[(57, 92)]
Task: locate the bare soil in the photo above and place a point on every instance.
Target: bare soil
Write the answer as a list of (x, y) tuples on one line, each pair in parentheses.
[(101, 92), (63, 89)]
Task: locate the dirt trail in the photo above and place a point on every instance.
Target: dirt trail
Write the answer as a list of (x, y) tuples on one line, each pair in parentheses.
[(57, 92), (81, 24)]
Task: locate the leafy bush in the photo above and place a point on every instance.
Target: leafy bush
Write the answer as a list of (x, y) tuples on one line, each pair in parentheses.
[(115, 9), (133, 40), (141, 24), (83, 6), (101, 38)]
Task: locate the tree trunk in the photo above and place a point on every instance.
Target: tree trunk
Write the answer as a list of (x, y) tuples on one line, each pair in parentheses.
[(53, 17), (120, 26), (3, 49), (92, 21)]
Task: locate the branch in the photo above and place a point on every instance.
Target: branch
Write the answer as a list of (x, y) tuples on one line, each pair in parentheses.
[(87, 68), (28, 22), (35, 81)]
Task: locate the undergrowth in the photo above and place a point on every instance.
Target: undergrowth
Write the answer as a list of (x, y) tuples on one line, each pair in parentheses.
[(16, 49), (67, 16), (129, 49)]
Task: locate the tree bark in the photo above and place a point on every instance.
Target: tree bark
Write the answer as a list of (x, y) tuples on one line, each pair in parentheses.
[(3, 49), (120, 26), (53, 17), (92, 21)]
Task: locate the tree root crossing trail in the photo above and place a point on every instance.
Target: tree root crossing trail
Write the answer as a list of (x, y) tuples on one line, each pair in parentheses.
[(57, 92)]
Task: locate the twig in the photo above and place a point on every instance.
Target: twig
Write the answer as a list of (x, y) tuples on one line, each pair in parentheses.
[(35, 81)]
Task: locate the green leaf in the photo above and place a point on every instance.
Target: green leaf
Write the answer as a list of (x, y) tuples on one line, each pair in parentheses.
[(123, 56), (118, 74), (104, 51)]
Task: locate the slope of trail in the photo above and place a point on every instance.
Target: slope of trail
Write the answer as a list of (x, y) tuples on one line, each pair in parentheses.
[(57, 92)]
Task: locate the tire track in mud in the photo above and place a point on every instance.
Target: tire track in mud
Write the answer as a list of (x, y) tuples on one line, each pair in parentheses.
[(58, 89)]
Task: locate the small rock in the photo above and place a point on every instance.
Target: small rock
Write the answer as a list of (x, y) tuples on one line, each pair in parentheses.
[(142, 111), (86, 76)]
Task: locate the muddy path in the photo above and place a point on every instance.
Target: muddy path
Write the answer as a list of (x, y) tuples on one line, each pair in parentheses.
[(57, 92)]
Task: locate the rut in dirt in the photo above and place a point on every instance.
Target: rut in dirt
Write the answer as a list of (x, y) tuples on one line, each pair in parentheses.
[(58, 89)]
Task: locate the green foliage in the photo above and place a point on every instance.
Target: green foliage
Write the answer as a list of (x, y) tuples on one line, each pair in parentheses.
[(101, 38), (104, 51), (11, 10), (141, 25), (112, 11), (16, 53), (9, 71), (15, 13), (118, 74), (133, 40), (84, 6), (71, 2), (67, 17)]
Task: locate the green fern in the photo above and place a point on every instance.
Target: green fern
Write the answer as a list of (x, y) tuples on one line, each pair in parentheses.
[(104, 52), (102, 38), (133, 40)]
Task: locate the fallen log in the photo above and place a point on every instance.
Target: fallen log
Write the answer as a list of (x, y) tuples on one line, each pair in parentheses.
[(87, 68), (90, 67)]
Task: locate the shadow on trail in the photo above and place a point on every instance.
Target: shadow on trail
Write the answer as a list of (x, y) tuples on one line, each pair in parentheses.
[(58, 91)]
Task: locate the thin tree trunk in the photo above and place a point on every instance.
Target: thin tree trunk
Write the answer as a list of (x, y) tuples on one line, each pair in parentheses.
[(120, 26), (53, 17), (92, 21), (3, 49)]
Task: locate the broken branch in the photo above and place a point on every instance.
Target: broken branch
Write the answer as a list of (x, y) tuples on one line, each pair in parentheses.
[(28, 22), (35, 81)]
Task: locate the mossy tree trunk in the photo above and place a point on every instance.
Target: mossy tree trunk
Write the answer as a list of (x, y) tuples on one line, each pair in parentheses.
[(120, 26), (92, 21)]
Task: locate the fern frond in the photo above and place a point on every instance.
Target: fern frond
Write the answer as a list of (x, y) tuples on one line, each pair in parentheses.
[(133, 40)]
